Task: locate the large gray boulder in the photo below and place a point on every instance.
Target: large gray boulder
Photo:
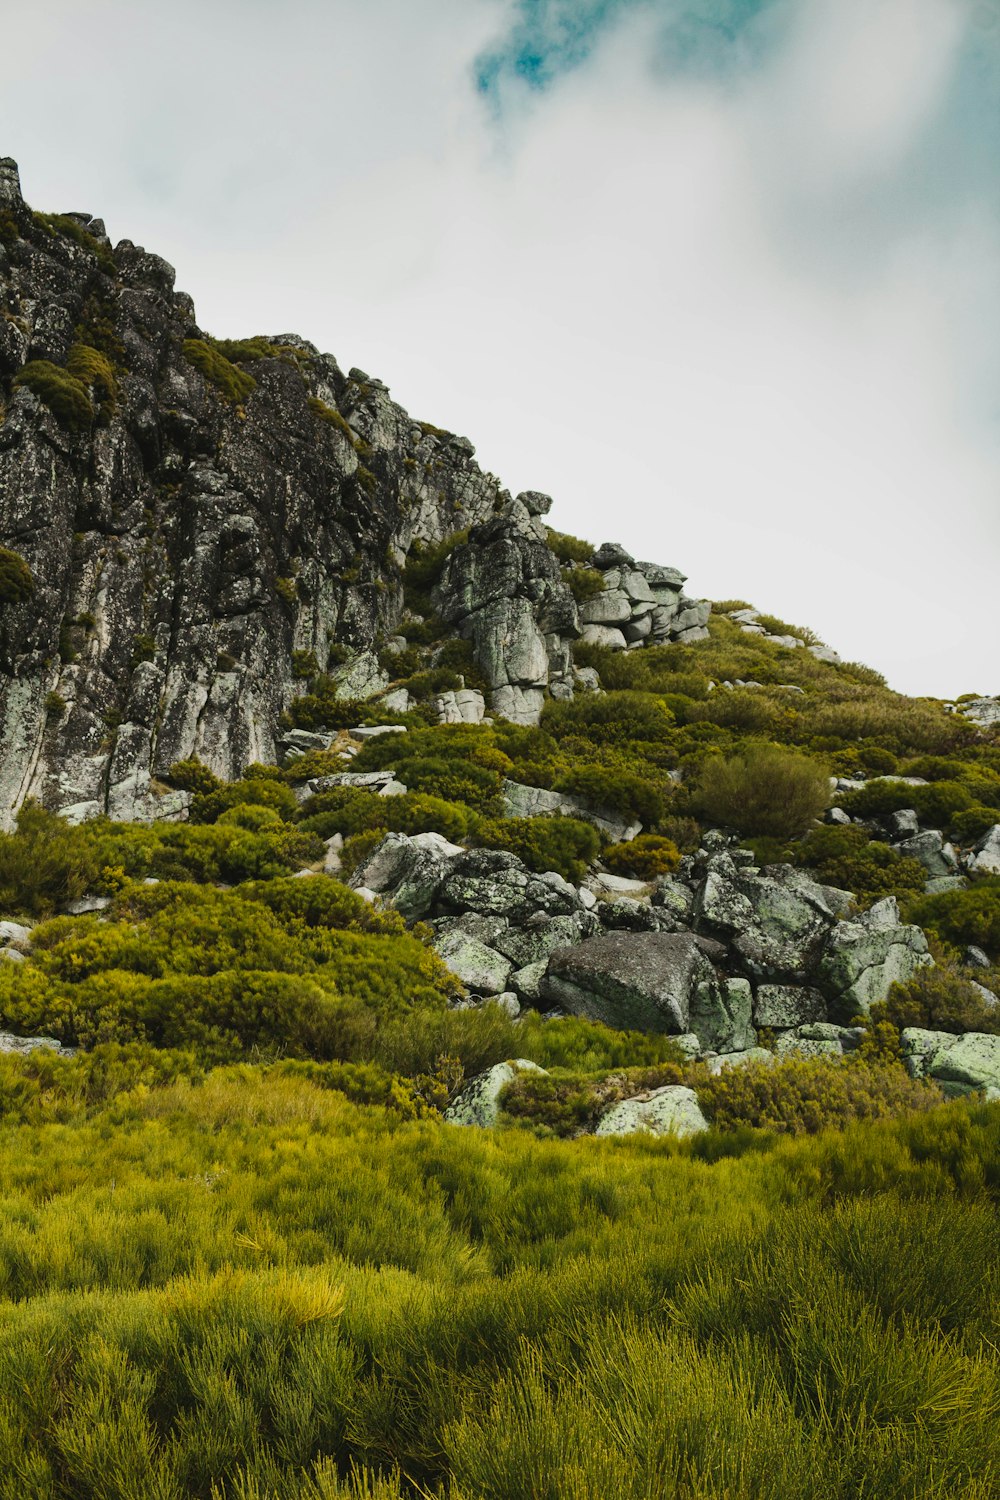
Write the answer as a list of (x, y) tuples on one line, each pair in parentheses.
[(650, 981), (986, 858), (542, 935), (960, 1064), (868, 955), (479, 1101), (672, 1110), (776, 922), (781, 1006), (721, 1015), (407, 870), (496, 882), (480, 968)]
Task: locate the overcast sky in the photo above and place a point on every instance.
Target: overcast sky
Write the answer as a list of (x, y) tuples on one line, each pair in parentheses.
[(722, 276)]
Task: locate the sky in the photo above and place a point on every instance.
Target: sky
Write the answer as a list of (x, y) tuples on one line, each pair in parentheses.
[(721, 276)]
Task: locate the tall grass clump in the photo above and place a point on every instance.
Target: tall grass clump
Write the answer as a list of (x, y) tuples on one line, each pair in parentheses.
[(763, 790)]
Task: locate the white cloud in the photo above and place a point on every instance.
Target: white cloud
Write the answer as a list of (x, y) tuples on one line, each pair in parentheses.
[(700, 313)]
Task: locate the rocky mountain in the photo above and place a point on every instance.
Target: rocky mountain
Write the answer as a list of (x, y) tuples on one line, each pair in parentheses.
[(191, 529)]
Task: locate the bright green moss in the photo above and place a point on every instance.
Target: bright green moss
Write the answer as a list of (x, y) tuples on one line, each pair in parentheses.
[(95, 371), (16, 582), (64, 394), (228, 379)]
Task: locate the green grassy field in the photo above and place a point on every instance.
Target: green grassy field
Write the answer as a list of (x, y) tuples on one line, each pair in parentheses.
[(246, 1285)]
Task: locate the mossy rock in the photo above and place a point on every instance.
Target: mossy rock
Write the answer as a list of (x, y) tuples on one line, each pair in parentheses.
[(229, 380), (63, 393), (16, 582)]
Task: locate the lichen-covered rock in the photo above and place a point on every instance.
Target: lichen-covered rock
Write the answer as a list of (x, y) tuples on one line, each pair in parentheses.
[(493, 881), (986, 857), (480, 969), (776, 922), (183, 546), (408, 870), (25, 1044), (479, 1101), (644, 981), (782, 1006), (960, 1064), (865, 957), (672, 1110)]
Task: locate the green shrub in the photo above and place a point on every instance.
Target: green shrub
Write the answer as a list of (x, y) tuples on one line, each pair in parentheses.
[(615, 791), (304, 665), (566, 845), (423, 569), (569, 549), (64, 395), (964, 917), (193, 776), (358, 847), (615, 718), (44, 864), (228, 379), (10, 230), (583, 583), (16, 582), (643, 858), (573, 1106), (763, 790), (804, 1095), (259, 791), (351, 810), (938, 998), (849, 858), (453, 780), (322, 709), (334, 418), (970, 825)]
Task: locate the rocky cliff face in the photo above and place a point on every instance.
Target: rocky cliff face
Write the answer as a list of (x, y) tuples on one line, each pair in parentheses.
[(185, 522)]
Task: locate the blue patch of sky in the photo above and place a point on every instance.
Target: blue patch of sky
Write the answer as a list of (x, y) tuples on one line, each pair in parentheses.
[(550, 38)]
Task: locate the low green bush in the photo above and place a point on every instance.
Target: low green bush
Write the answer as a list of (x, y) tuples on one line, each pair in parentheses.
[(804, 1095), (452, 780), (44, 864), (964, 917), (248, 791), (627, 792), (566, 845), (938, 998), (763, 790), (615, 718), (643, 858), (569, 549), (848, 857), (572, 1106), (583, 583), (969, 825)]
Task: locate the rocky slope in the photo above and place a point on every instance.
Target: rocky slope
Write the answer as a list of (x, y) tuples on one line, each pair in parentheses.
[(189, 527)]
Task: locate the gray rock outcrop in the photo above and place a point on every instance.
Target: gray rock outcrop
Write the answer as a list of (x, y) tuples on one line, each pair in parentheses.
[(672, 1110)]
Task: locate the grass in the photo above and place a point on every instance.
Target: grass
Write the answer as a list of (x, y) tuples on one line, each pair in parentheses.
[(243, 1286)]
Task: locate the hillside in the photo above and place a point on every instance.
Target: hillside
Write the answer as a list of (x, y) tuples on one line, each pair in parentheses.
[(477, 1020)]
